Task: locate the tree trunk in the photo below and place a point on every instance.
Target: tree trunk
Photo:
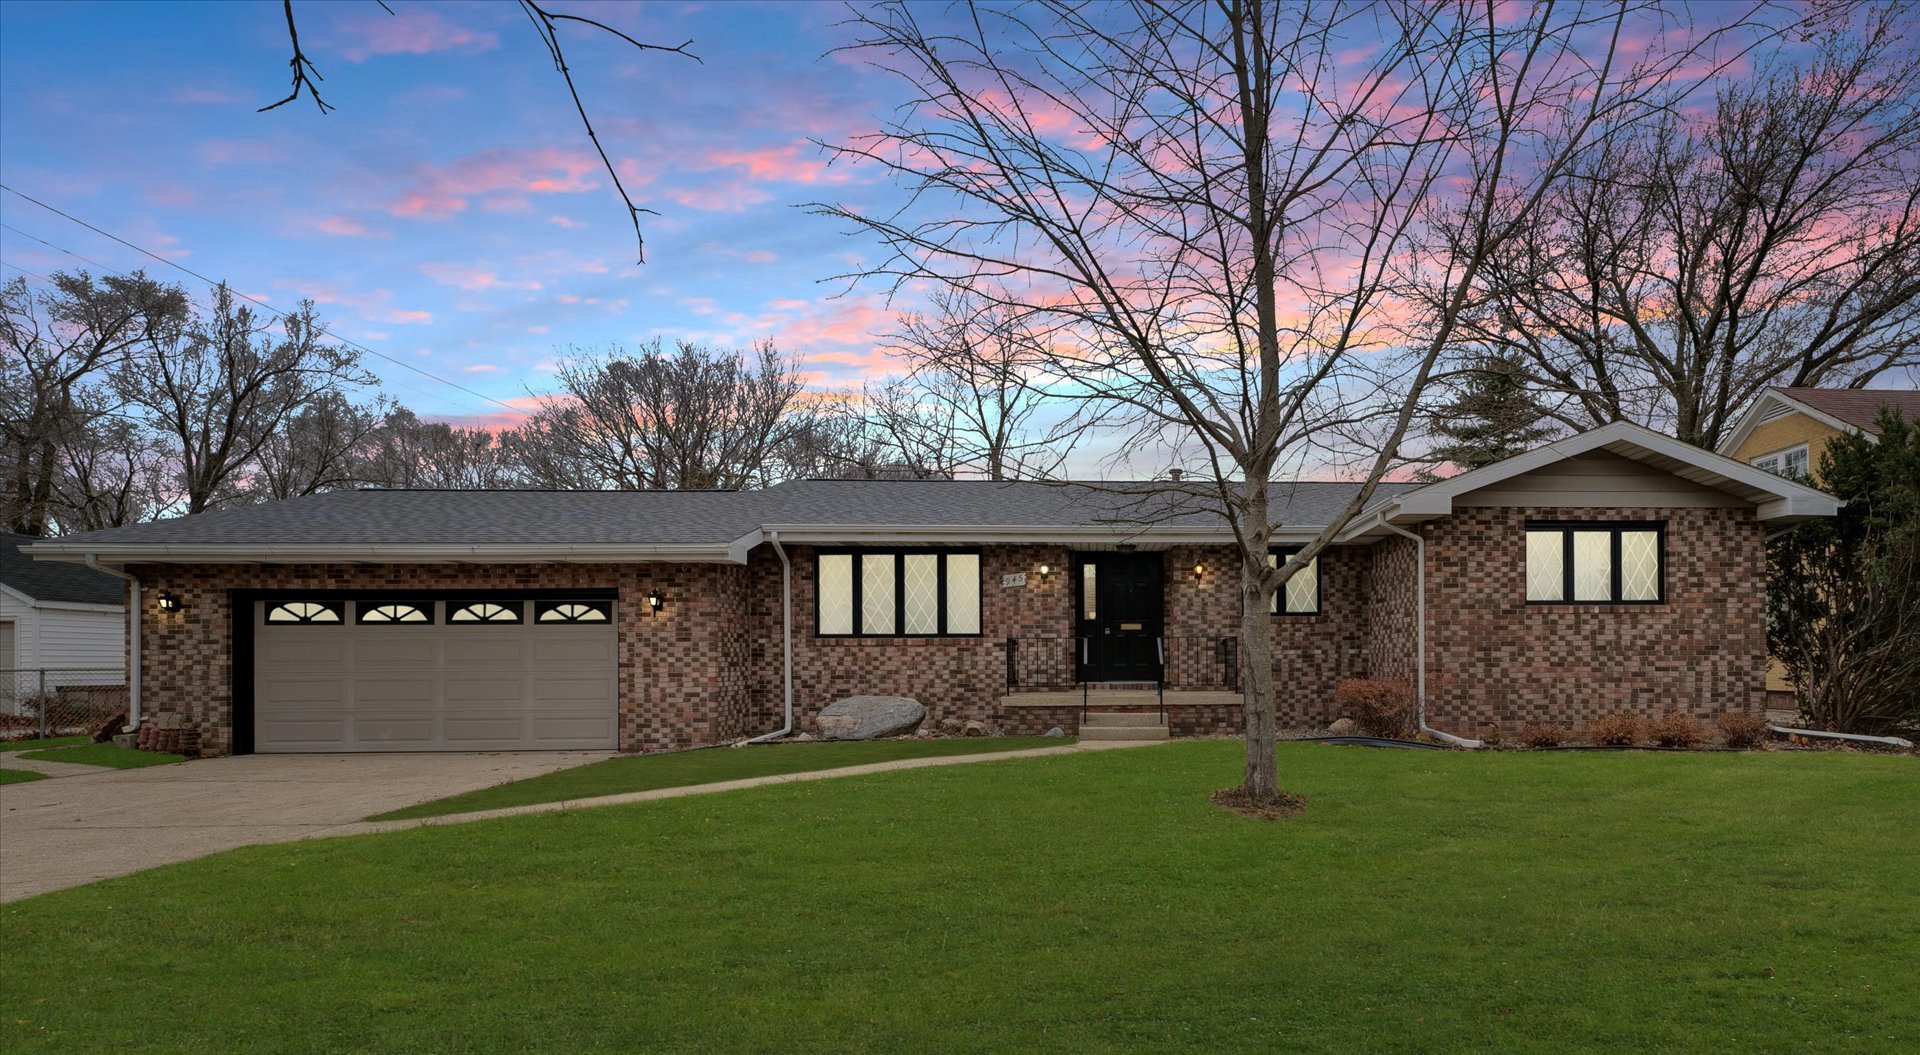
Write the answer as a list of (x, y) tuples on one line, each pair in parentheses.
[(1262, 780)]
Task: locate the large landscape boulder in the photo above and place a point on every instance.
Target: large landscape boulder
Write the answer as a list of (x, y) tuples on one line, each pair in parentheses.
[(870, 717)]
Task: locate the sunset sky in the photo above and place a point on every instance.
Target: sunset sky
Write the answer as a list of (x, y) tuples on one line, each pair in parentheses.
[(450, 213)]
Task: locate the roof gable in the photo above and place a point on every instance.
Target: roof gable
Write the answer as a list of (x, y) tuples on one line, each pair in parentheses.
[(1840, 409)]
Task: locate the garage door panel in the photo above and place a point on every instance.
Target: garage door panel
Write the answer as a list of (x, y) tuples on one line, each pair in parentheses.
[(416, 730), (486, 693), (405, 647), (314, 648), (571, 692), (578, 647), (571, 730), (389, 693), (477, 728), (296, 734), (487, 646), (303, 693)]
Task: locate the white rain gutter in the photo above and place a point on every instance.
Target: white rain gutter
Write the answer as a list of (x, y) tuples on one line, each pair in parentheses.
[(1420, 635), (786, 641), (133, 643)]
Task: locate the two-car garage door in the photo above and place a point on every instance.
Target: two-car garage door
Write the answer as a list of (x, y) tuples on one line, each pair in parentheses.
[(498, 673)]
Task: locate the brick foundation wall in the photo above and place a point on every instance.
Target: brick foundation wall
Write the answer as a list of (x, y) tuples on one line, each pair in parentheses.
[(682, 675), (1495, 658)]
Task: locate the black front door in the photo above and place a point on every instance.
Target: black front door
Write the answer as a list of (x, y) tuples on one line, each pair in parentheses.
[(1120, 616)]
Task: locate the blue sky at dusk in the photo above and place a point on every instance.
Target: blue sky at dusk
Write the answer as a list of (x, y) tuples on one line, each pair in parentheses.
[(451, 212)]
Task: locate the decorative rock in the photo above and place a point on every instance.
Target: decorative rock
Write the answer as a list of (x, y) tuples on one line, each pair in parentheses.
[(1343, 727), (869, 717), (950, 724), (1056, 733), (973, 728), (803, 738)]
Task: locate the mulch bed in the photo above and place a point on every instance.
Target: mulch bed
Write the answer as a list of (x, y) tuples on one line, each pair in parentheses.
[(1236, 799)]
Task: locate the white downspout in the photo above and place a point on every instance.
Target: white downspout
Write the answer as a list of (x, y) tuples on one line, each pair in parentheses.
[(133, 643), (786, 641), (1420, 636)]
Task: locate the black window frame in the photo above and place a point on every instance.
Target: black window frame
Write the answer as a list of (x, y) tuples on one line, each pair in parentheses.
[(519, 606), (899, 589), (540, 608), (1278, 609), (1614, 528), (338, 608), (361, 608)]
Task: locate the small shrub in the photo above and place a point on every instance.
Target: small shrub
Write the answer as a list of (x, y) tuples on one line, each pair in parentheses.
[(1543, 734), (1742, 731), (1674, 729), (1491, 736), (1617, 730), (1379, 708)]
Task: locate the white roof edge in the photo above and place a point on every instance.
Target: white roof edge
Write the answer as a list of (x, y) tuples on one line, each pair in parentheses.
[(1751, 419), (399, 553), (1011, 534), (1789, 498)]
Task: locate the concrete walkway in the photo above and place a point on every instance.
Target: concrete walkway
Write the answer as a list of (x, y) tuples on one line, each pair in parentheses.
[(59, 834), (12, 760)]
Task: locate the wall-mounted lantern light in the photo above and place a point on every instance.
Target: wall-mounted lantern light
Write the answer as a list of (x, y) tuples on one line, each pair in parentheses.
[(655, 602), (168, 602), (1199, 571), (1045, 570)]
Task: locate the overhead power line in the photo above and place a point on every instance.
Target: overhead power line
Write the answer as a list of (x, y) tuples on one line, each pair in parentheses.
[(277, 313)]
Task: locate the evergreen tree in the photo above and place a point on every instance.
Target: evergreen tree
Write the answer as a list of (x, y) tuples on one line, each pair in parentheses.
[(1494, 414)]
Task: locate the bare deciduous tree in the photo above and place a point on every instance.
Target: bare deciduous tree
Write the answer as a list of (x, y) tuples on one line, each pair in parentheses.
[(59, 343), (969, 403), (1772, 241), (408, 452), (689, 417), (220, 389), (1247, 225), (321, 447)]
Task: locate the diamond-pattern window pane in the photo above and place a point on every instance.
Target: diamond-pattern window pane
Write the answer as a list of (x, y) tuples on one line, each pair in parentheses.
[(876, 593), (836, 593), (1089, 591), (1273, 604), (1545, 554), (920, 593), (1303, 590), (1639, 565), (1593, 565), (963, 593)]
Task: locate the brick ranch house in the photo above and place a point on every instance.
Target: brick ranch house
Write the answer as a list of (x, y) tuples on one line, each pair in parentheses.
[(1613, 570)]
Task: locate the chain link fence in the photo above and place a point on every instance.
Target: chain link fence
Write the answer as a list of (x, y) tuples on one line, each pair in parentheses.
[(47, 701)]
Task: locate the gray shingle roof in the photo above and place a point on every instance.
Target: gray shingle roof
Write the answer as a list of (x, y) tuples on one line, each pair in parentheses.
[(573, 518), (55, 582), (1859, 407)]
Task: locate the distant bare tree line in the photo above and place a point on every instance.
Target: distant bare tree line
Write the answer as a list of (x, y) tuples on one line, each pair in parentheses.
[(121, 401)]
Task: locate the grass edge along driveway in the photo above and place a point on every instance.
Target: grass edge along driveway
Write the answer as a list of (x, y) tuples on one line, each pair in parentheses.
[(674, 769), (1087, 902)]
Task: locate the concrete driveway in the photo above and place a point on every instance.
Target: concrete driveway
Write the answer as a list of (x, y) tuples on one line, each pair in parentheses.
[(71, 830)]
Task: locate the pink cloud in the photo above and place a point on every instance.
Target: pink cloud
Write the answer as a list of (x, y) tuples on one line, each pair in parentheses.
[(376, 306), (344, 227), (720, 196), (793, 163), (472, 279), (481, 368), (440, 191), (238, 152), (410, 31)]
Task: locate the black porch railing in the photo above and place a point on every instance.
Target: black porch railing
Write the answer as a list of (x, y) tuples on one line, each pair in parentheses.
[(1186, 661)]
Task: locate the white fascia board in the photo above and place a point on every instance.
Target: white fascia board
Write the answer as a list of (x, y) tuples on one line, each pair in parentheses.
[(18, 596), (1013, 535), (1436, 499), (123, 554), (1751, 420)]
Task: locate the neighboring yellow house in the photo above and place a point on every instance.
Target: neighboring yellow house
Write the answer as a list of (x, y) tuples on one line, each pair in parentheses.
[(1787, 429)]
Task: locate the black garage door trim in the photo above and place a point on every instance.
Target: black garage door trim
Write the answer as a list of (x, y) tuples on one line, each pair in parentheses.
[(240, 605)]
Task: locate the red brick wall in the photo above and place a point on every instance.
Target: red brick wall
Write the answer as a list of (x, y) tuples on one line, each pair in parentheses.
[(682, 673), (1495, 658)]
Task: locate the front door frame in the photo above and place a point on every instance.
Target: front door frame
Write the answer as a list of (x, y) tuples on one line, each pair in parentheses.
[(1122, 642)]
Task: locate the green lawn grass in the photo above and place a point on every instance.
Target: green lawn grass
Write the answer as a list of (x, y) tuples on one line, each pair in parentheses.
[(682, 768), (43, 744), (19, 776), (1094, 902), (105, 755)]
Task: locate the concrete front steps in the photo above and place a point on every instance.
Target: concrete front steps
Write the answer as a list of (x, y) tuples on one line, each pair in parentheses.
[(1123, 725)]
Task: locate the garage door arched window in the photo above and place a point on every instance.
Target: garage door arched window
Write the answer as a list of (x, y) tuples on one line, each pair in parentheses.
[(395, 612), (573, 612), (484, 612), (329, 612)]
